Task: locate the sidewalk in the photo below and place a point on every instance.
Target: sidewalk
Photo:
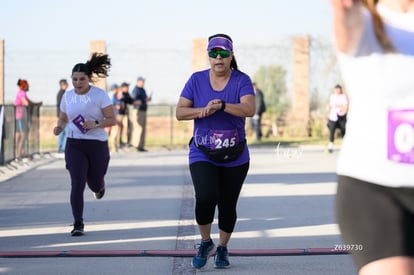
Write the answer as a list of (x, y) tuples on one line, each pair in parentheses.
[(145, 223)]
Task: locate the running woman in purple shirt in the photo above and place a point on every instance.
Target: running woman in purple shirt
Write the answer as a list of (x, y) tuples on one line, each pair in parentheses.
[(218, 100)]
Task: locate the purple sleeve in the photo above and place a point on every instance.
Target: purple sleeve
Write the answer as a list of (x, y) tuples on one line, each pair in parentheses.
[(188, 90), (246, 86)]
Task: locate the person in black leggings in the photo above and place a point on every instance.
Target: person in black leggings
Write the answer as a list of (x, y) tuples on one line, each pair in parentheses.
[(218, 100), (85, 112)]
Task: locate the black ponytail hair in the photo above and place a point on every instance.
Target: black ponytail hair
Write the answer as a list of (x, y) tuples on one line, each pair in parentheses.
[(233, 63), (97, 65)]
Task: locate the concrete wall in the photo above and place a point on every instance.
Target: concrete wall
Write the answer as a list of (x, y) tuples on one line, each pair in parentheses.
[(99, 46), (299, 119), (199, 59)]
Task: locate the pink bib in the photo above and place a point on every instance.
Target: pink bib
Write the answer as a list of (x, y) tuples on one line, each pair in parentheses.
[(401, 136), (220, 139)]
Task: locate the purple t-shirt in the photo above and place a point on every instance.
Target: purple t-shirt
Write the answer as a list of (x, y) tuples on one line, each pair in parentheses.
[(199, 91)]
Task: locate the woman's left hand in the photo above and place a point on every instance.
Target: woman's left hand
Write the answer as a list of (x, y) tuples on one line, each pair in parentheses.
[(89, 125)]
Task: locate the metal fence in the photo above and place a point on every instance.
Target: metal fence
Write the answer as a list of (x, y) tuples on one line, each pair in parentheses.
[(163, 130), (33, 132), (19, 137)]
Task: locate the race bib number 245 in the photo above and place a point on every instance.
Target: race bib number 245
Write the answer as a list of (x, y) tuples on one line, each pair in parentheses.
[(220, 139)]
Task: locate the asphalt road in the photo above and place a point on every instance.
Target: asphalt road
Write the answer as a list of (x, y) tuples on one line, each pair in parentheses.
[(145, 223)]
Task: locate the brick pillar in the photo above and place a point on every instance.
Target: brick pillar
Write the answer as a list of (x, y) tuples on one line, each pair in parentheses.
[(199, 60), (300, 106), (1, 71), (98, 46)]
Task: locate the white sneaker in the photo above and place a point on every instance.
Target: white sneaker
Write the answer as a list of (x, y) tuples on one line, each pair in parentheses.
[(330, 147)]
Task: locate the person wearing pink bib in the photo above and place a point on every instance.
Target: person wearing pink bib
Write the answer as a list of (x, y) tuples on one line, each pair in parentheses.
[(375, 168)]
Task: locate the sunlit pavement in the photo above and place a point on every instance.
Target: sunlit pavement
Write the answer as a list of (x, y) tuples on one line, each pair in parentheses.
[(145, 223)]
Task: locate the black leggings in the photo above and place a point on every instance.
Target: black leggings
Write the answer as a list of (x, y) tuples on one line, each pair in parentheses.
[(87, 161), (217, 186), (332, 125), (377, 220)]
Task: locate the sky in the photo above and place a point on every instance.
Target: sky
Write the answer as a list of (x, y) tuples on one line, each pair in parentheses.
[(44, 39)]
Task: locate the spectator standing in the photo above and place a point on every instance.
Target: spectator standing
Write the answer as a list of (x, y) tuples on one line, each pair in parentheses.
[(63, 84), (256, 120), (125, 116), (21, 103), (141, 100)]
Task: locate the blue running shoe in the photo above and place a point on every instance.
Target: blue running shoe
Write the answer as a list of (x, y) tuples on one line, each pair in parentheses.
[(221, 260), (205, 250)]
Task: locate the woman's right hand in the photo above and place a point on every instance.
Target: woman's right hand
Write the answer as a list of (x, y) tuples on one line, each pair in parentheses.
[(348, 23), (344, 4), (57, 130)]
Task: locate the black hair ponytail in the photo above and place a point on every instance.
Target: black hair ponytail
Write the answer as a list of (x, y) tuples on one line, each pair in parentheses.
[(98, 65)]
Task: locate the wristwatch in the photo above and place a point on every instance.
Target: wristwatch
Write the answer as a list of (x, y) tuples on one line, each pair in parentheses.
[(96, 123), (223, 105)]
